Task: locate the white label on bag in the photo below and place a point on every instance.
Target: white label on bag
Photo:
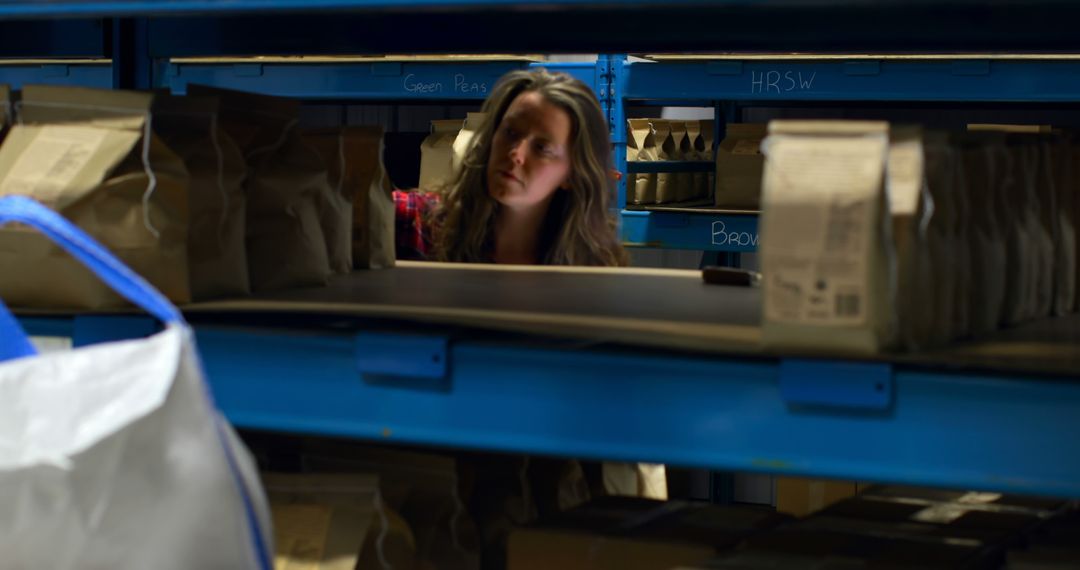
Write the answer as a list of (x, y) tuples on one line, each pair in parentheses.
[(943, 513), (905, 177), (821, 194), (51, 161)]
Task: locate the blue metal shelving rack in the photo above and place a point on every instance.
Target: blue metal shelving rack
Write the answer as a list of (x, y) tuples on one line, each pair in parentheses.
[(763, 80), (838, 418)]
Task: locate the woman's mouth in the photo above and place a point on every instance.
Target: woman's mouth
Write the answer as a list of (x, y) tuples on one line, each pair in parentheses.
[(506, 175)]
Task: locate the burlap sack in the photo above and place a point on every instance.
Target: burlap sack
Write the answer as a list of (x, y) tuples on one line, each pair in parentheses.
[(437, 155), (91, 155), (217, 256), (354, 158), (641, 147), (286, 182), (825, 246), (739, 166)]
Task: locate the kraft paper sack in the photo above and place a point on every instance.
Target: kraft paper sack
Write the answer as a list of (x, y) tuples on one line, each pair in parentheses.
[(354, 157), (90, 154), (335, 522), (698, 180), (684, 181), (739, 167), (286, 182), (641, 147), (1065, 241), (825, 246), (217, 256), (940, 178), (113, 455), (666, 182), (983, 174), (910, 208), (464, 138), (7, 111), (437, 155)]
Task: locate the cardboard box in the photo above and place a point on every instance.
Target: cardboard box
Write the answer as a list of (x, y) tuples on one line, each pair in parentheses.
[(800, 497)]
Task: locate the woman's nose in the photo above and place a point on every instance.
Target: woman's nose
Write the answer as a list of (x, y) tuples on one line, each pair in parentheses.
[(517, 152)]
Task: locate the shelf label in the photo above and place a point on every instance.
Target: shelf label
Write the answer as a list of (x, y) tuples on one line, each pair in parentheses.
[(721, 236), (775, 81), (461, 85)]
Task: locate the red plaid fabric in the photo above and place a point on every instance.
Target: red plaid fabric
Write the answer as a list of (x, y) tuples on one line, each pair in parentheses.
[(412, 213)]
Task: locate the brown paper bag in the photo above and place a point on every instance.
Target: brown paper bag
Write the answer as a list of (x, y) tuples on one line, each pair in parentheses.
[(89, 154), (910, 209), (825, 251), (366, 183), (941, 164), (1029, 247), (285, 184), (464, 138), (739, 167), (964, 247), (191, 126), (983, 174), (7, 111), (1051, 224), (336, 208), (423, 488), (641, 147), (698, 180), (684, 181), (335, 522), (665, 150), (1065, 243), (1041, 279), (437, 155), (1072, 190), (708, 138)]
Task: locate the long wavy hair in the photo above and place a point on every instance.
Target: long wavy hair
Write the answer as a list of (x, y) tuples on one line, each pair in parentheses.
[(578, 229)]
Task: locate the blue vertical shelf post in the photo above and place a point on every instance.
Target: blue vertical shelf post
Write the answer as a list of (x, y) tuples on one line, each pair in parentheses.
[(132, 67)]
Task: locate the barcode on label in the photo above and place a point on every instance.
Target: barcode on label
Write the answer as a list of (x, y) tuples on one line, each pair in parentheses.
[(847, 305)]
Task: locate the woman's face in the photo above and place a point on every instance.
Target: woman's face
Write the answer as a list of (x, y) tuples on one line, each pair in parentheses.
[(530, 152)]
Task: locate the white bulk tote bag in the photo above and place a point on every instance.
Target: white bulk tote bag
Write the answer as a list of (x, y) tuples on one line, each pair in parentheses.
[(113, 456)]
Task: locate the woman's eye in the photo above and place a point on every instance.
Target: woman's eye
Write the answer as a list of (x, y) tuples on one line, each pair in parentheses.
[(546, 149)]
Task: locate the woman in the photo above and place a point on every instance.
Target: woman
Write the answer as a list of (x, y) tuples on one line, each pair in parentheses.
[(535, 187)]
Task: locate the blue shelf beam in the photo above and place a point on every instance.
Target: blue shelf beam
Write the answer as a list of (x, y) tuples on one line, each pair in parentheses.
[(864, 421), (936, 80), (719, 413), (734, 233), (397, 81), (90, 74)]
